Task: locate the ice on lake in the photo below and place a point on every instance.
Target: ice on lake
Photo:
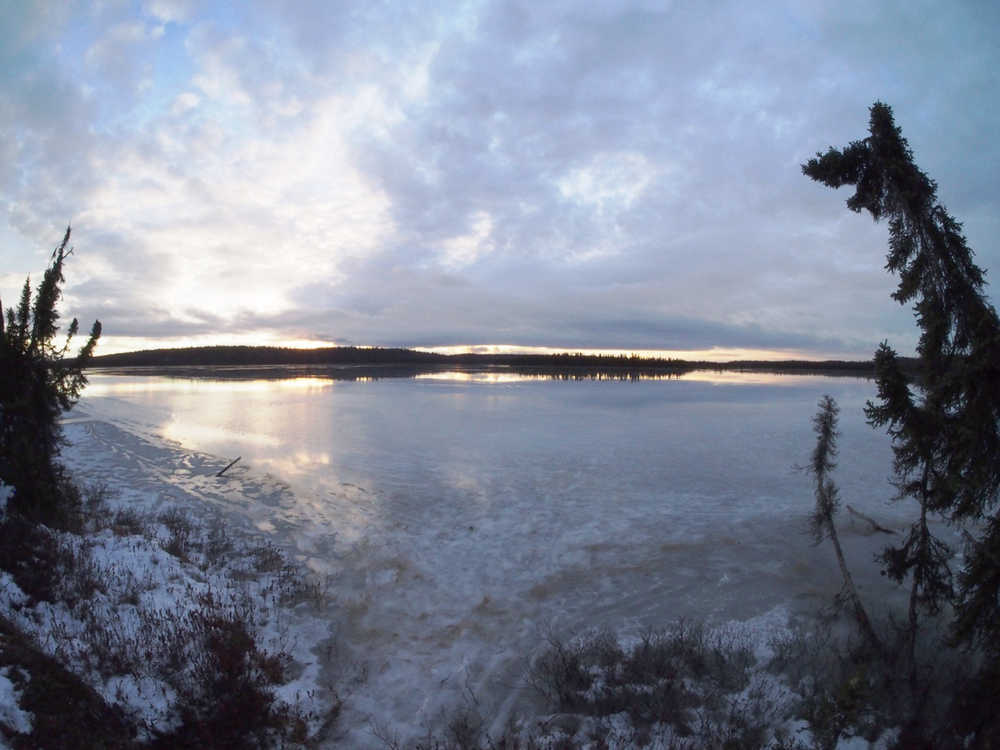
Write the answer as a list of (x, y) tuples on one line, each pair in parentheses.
[(463, 516)]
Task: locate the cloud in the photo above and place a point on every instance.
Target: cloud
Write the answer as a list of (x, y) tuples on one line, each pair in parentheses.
[(558, 174), (117, 57), (169, 11), (184, 103)]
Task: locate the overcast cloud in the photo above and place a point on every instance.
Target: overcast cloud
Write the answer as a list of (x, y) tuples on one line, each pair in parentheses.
[(559, 174)]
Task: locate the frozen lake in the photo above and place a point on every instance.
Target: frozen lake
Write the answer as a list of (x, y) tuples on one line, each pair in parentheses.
[(463, 515)]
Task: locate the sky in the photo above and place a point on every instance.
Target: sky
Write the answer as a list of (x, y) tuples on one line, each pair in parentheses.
[(619, 176)]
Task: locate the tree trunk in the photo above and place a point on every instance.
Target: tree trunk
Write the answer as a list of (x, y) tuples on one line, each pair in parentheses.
[(852, 592), (918, 578)]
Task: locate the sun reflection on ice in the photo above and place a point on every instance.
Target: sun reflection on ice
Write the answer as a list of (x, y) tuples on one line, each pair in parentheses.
[(481, 377), (182, 431), (132, 384)]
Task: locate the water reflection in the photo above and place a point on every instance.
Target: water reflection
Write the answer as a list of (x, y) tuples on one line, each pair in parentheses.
[(184, 431), (262, 378), (409, 429), (125, 384), (531, 376), (743, 377), (299, 462), (252, 380)]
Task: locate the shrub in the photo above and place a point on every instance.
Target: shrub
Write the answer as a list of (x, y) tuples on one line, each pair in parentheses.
[(66, 713), (693, 680), (227, 698), (180, 528)]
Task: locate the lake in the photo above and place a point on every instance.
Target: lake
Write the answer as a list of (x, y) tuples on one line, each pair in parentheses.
[(463, 515)]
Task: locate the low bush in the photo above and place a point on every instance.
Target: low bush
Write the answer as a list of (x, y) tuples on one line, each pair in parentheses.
[(268, 558), (179, 527), (225, 691), (47, 565), (66, 712), (696, 682), (217, 544), (129, 522)]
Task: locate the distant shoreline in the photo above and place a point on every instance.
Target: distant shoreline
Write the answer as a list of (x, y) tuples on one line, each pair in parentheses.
[(353, 362)]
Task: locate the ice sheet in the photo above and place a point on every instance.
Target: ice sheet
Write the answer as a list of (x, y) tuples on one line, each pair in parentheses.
[(463, 520)]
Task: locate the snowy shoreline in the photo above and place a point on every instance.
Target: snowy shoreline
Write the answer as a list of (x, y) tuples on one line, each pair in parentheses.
[(154, 478), (163, 558)]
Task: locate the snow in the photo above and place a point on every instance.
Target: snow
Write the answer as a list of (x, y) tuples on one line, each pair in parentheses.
[(5, 495), (145, 697), (11, 714)]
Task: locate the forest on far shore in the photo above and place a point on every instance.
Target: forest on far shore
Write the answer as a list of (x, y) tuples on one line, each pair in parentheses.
[(234, 356)]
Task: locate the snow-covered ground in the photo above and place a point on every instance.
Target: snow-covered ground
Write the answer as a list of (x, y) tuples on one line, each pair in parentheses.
[(454, 526), (162, 562)]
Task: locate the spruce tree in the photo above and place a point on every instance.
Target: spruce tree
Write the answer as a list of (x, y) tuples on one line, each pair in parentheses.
[(37, 384), (945, 426), (827, 502)]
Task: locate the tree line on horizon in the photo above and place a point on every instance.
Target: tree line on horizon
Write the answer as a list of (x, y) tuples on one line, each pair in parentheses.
[(224, 356)]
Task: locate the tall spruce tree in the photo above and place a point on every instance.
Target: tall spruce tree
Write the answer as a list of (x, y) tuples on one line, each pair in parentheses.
[(945, 426), (37, 384)]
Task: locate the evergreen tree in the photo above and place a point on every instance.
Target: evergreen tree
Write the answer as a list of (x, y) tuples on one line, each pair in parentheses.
[(37, 384), (827, 502), (945, 427)]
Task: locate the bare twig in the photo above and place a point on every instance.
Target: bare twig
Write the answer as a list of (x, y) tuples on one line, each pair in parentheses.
[(875, 526)]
